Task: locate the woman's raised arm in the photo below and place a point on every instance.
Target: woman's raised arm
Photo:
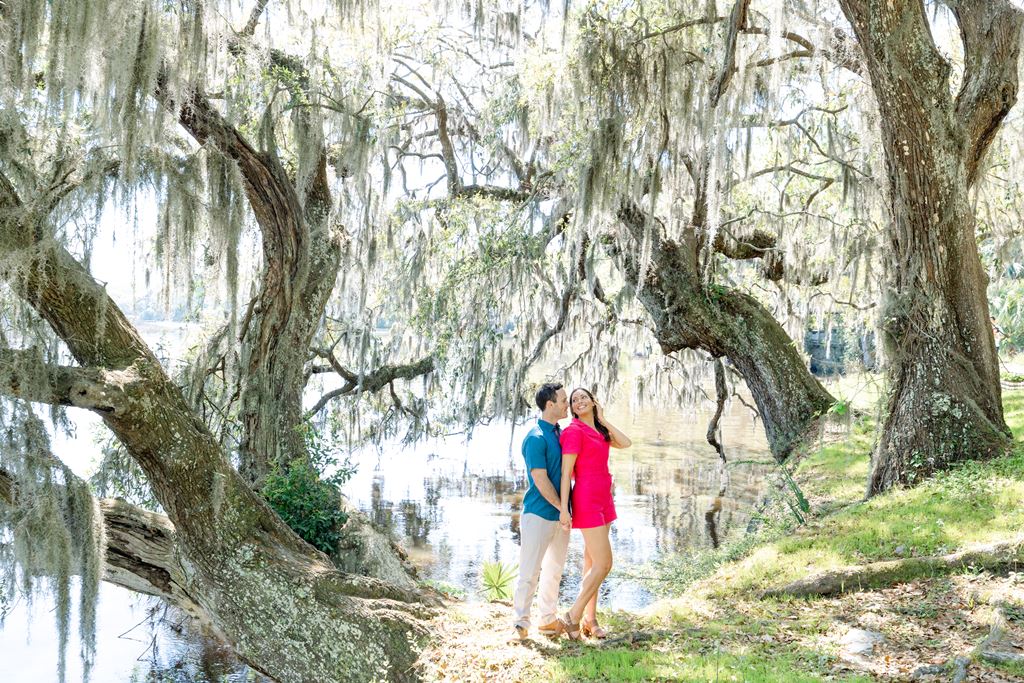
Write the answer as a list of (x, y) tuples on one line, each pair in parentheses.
[(619, 440)]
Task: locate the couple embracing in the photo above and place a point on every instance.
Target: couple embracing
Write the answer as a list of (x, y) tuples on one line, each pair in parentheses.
[(570, 487)]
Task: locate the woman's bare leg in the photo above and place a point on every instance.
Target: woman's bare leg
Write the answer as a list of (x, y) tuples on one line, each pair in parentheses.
[(590, 611), (598, 546)]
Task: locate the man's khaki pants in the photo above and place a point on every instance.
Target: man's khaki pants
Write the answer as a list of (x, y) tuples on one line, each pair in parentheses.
[(541, 556)]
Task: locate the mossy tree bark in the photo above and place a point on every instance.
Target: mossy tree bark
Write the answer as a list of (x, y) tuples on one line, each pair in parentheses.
[(300, 265), (281, 604), (284, 606), (139, 543), (944, 404)]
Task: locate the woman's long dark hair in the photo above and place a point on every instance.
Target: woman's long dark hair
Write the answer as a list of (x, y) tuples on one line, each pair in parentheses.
[(598, 425)]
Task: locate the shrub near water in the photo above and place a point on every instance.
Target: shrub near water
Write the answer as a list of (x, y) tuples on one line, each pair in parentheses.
[(306, 500), (497, 579)]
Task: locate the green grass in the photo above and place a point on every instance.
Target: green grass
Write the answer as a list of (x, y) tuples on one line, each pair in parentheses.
[(1013, 409), (449, 590), (839, 472), (833, 476), (1010, 668), (707, 657), (645, 665)]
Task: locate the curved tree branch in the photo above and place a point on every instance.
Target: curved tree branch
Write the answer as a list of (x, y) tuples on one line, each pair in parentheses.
[(371, 382), (139, 545), (737, 23), (271, 195), (714, 424), (254, 18), (991, 35), (452, 121), (77, 307), (300, 265)]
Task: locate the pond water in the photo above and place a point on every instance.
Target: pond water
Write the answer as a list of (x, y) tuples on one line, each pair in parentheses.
[(455, 505)]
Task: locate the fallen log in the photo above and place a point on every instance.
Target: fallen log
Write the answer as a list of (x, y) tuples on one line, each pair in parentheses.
[(1001, 556)]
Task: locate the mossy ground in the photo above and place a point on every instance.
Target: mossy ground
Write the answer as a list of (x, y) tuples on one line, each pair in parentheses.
[(716, 627)]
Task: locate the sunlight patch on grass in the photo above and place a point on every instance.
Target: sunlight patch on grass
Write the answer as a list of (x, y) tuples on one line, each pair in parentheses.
[(936, 518), (1013, 411), (741, 664), (769, 566), (975, 502)]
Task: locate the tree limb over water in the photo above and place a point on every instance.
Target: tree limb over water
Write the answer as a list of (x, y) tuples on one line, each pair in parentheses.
[(254, 578), (139, 548), (370, 382)]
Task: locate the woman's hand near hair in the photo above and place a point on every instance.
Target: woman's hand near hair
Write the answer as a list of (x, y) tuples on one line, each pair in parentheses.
[(568, 462), (619, 440)]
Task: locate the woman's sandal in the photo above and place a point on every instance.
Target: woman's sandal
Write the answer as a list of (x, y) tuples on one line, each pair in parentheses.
[(569, 628), (591, 629)]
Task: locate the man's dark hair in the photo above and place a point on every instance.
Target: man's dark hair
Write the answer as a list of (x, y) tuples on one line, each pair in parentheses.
[(547, 392)]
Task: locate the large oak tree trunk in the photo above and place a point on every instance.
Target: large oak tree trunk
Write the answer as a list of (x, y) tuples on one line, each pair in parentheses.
[(280, 603), (688, 314), (283, 606), (944, 403), (300, 266)]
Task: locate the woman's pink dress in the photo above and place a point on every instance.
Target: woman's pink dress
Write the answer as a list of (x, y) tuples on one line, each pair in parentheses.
[(591, 496)]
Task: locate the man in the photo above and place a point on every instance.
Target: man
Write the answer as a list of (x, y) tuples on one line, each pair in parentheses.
[(544, 541)]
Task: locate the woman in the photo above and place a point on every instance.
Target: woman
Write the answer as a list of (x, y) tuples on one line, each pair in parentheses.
[(585, 443)]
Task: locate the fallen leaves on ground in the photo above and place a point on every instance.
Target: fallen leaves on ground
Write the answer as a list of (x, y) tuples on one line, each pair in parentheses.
[(927, 622)]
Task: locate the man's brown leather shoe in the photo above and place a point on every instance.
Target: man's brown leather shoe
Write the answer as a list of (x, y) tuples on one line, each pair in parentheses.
[(552, 630)]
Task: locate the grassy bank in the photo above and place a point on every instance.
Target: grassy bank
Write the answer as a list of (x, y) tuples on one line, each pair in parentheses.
[(714, 624)]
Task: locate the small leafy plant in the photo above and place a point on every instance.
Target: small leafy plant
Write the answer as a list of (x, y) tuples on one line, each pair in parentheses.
[(801, 505), (308, 501), (840, 408), (497, 579)]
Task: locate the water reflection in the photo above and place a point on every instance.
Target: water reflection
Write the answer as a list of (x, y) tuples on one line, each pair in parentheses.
[(138, 639), (456, 504), (194, 658)]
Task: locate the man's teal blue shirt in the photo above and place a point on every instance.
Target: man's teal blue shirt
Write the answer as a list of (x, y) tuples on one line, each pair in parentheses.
[(541, 450)]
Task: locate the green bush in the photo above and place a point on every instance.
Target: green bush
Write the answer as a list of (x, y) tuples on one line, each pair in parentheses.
[(306, 500)]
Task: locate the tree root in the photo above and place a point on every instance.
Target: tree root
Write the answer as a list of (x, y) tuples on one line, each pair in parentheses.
[(634, 638), (1006, 555), (991, 650)]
